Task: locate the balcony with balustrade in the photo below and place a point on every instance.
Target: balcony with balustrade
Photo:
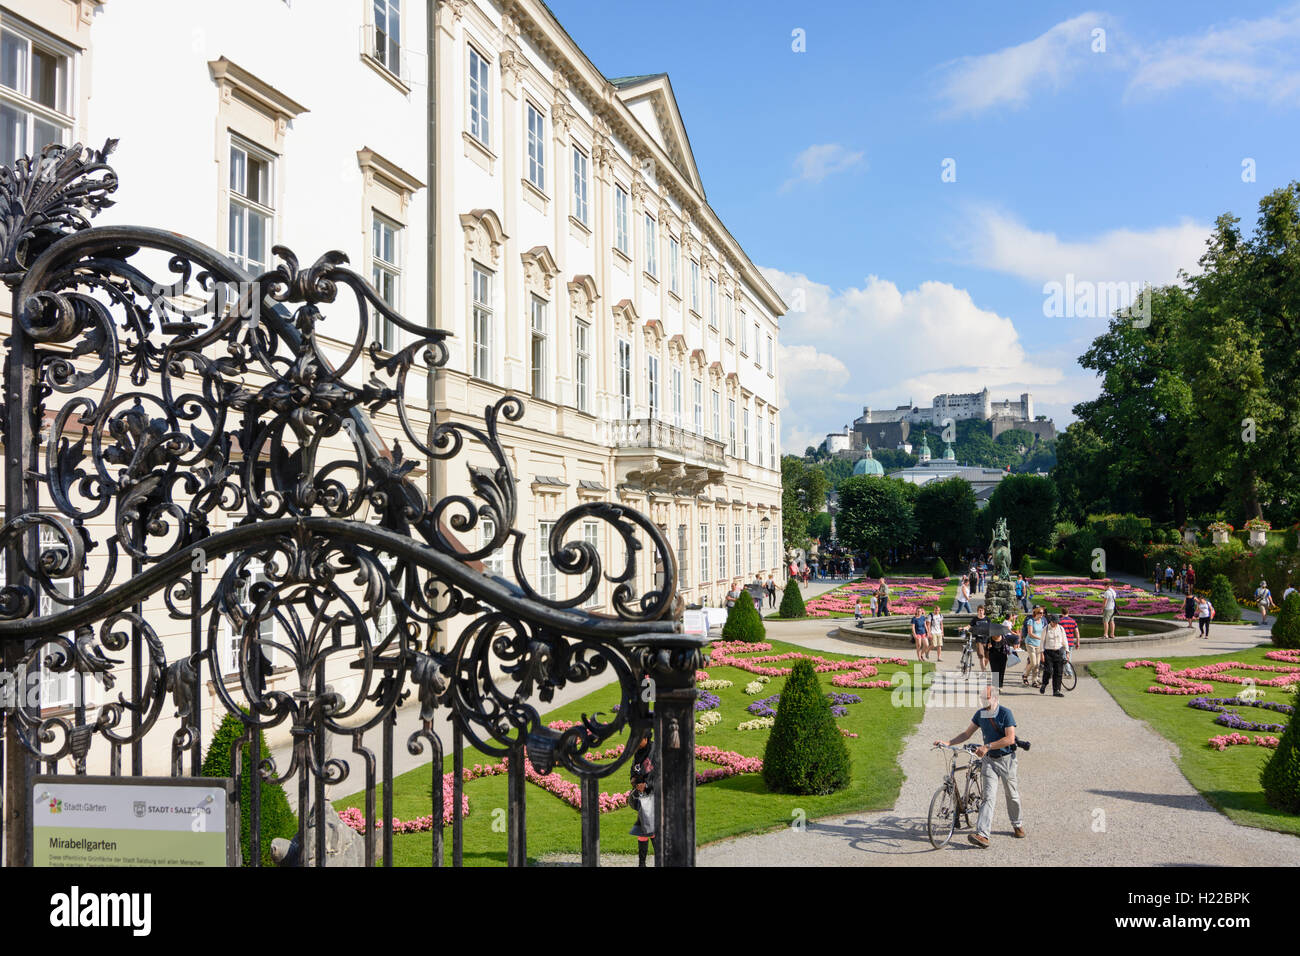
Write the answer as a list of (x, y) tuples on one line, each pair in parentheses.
[(660, 456)]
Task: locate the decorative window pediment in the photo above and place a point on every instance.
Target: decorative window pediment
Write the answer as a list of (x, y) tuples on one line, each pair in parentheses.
[(236, 83), (384, 172), (625, 317), (539, 270), (583, 296), (483, 235)]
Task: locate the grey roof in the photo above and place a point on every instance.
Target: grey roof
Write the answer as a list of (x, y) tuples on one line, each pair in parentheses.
[(550, 480), (625, 81), (587, 485)]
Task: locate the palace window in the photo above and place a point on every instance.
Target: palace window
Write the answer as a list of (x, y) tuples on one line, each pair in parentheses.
[(704, 552), (674, 263), (651, 246), (385, 273), (731, 425), (388, 34), (545, 568), (695, 287), (735, 550), (652, 384), (482, 323), (717, 415), (713, 303), (745, 433), (582, 364), (580, 166), (722, 551), (699, 406), (251, 214), (495, 561), (537, 352), (479, 126), (591, 535), (676, 396), (625, 378), (35, 93), (622, 240), (683, 548), (536, 147)]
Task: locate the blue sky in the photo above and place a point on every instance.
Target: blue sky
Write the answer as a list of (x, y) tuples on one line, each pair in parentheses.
[(1079, 156)]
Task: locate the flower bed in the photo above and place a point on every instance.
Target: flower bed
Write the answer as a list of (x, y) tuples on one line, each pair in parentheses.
[(906, 595), (1182, 682), (1086, 596)]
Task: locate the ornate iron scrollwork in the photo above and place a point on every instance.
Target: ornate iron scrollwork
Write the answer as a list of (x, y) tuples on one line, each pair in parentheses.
[(194, 412)]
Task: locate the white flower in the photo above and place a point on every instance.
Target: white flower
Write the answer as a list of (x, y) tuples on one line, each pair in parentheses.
[(758, 723)]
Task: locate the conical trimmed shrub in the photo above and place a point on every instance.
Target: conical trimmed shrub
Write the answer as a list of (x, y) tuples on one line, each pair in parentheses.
[(1280, 777), (1286, 629), (805, 751), (792, 601), (874, 570), (1225, 604), (744, 623), (278, 820), (940, 570), (1027, 567)]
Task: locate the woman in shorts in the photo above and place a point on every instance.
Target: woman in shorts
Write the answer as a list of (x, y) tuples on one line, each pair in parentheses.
[(936, 632)]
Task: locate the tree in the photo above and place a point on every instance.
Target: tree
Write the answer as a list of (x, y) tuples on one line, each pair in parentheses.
[(803, 494), (875, 514), (1280, 776), (805, 751), (1028, 502), (743, 621), (791, 601), (1222, 599), (939, 570), (1286, 629), (819, 527), (945, 515)]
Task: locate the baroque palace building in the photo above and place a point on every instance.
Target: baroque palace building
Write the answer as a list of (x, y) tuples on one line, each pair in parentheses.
[(489, 180)]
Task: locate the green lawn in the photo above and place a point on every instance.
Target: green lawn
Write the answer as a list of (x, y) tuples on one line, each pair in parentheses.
[(1229, 779), (724, 808)]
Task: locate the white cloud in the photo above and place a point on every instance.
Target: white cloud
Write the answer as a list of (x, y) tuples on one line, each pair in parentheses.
[(998, 241), (878, 345), (1259, 59), (1009, 76), (817, 162)]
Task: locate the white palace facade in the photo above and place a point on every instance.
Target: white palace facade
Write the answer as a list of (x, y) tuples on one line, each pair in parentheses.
[(491, 182)]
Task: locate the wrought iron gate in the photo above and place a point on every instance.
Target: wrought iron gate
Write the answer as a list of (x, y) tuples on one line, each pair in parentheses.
[(166, 411)]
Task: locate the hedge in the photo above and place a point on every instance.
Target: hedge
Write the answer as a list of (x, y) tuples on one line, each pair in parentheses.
[(805, 751), (791, 601), (278, 820), (1286, 629), (1225, 605), (1280, 777), (940, 570), (743, 621)]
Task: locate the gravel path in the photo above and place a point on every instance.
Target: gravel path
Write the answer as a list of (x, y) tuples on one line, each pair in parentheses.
[(1098, 789)]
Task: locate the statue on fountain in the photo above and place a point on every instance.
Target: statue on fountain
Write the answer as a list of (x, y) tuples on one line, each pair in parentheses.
[(1001, 548)]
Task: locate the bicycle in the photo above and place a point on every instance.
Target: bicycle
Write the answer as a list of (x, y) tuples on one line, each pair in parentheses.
[(1069, 677), (953, 800), (967, 654)]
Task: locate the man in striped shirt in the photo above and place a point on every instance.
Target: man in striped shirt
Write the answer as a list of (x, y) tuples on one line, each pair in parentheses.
[(1071, 631)]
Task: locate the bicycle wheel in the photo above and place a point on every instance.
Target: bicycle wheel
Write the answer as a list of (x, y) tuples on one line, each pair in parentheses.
[(943, 817), (974, 796), (1069, 678), (967, 660)]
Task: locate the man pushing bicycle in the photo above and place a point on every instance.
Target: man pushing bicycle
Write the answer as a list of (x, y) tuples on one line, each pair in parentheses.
[(998, 726)]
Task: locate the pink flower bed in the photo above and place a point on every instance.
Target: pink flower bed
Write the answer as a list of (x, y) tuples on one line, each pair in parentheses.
[(906, 595), (1182, 683), (1085, 596), (356, 819), (723, 654), (1289, 656), (1225, 741)]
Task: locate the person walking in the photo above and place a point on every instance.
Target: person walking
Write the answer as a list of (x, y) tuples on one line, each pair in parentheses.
[(1191, 579), (1071, 627), (998, 726), (1204, 614), (971, 580), (1264, 598), (1108, 599), (883, 594), (936, 633), (1169, 578), (875, 606), (980, 630), (1035, 625), (1287, 593), (1159, 576), (771, 591), (920, 634), (642, 796), (1055, 646), (963, 598), (998, 651), (1020, 592), (1189, 609)]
